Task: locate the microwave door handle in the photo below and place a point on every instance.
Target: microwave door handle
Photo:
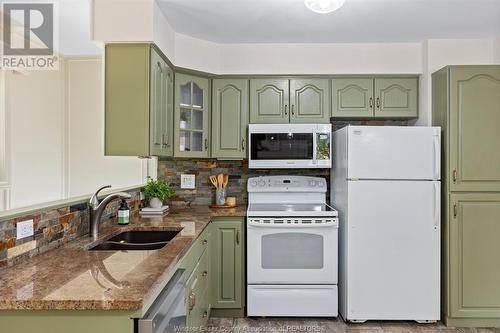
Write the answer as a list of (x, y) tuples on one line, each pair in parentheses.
[(314, 147)]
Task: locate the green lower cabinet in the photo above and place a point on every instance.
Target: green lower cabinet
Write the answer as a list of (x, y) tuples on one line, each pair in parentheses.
[(229, 118), (396, 97), (227, 284), (473, 245)]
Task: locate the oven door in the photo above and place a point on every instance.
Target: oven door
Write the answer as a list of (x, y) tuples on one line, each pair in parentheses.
[(292, 250)]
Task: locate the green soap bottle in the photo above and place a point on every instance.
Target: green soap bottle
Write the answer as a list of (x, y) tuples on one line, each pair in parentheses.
[(124, 213)]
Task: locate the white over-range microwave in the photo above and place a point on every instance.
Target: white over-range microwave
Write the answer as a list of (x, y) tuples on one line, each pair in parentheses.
[(287, 146)]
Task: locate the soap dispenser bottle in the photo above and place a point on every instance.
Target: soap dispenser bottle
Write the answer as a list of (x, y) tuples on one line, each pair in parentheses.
[(124, 213)]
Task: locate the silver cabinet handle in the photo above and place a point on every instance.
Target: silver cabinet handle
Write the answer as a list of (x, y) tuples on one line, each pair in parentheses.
[(293, 110), (378, 102), (192, 300), (206, 144), (164, 140), (205, 314), (371, 102), (286, 110), (243, 144)]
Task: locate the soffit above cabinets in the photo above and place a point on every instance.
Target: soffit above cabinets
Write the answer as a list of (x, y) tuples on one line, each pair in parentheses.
[(358, 21)]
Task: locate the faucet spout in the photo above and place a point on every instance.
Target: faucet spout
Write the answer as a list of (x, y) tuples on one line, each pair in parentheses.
[(97, 208)]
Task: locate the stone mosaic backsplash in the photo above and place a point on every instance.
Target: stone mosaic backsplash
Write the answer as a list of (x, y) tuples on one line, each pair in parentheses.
[(52, 228), (238, 171)]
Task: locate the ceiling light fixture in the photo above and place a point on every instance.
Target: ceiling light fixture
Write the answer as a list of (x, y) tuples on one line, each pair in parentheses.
[(324, 6)]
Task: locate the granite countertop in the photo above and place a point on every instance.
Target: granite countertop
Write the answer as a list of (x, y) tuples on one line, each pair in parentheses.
[(73, 278)]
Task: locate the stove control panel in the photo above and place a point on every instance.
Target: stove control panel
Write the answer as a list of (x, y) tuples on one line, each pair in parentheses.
[(286, 184)]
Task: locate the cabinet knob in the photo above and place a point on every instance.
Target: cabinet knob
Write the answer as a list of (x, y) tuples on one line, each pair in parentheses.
[(205, 314), (204, 242), (205, 273)]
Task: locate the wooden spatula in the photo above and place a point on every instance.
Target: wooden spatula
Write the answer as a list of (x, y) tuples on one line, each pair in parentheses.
[(213, 179)]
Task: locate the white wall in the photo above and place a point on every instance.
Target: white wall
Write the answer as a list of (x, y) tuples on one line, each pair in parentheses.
[(122, 20), (35, 112), (366, 58), (4, 152), (496, 51), (88, 168)]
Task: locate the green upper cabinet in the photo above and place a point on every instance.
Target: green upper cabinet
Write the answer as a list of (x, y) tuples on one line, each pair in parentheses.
[(396, 97), (352, 97), (474, 250), (269, 101), (309, 101), (227, 263), (379, 97), (275, 100), (138, 101), (229, 118), (192, 116), (474, 113), (162, 107)]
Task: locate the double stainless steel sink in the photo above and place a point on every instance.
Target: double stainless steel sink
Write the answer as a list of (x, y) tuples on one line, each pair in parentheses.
[(137, 240)]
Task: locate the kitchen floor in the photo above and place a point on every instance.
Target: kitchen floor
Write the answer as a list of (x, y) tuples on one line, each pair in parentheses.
[(315, 325)]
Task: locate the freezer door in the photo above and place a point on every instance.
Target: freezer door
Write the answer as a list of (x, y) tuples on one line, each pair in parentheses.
[(393, 250), (394, 152)]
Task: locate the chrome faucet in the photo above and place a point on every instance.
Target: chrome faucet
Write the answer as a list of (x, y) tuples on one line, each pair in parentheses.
[(97, 208)]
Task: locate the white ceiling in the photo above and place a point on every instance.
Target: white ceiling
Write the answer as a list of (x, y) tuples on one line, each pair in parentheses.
[(289, 21)]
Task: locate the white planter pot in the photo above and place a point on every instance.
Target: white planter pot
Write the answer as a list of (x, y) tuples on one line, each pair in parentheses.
[(155, 203)]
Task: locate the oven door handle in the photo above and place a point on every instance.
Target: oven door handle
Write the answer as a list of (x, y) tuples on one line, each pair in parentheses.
[(292, 225)]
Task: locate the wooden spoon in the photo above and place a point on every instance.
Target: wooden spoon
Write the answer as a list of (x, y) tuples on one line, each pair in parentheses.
[(220, 180), (226, 180)]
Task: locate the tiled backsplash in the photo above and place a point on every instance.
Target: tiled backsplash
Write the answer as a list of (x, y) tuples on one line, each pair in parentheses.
[(238, 171), (52, 228)]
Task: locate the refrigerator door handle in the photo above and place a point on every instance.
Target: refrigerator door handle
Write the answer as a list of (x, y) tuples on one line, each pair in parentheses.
[(436, 205), (437, 149)]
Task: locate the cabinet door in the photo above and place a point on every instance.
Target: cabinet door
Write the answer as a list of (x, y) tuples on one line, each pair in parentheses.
[(396, 97), (229, 118), (309, 101), (475, 128), (192, 112), (474, 251), (127, 100), (269, 101), (227, 279), (161, 106), (352, 98)]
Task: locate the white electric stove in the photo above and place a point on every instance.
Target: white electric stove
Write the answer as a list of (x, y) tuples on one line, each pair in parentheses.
[(292, 248)]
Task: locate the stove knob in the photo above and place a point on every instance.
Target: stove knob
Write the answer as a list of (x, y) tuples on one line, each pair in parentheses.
[(253, 183), (262, 183)]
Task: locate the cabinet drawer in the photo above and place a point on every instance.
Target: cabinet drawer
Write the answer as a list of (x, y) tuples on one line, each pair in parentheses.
[(197, 293), (195, 252)]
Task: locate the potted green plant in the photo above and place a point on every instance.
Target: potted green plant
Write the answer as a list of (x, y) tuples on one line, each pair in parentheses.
[(157, 192)]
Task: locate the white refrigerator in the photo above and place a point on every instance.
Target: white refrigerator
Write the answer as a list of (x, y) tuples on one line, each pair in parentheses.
[(386, 188)]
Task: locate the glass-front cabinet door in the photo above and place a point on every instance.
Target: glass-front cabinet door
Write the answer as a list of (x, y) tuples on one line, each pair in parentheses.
[(192, 115)]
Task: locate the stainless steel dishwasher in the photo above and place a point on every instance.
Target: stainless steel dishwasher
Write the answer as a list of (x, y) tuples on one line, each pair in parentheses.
[(168, 312)]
